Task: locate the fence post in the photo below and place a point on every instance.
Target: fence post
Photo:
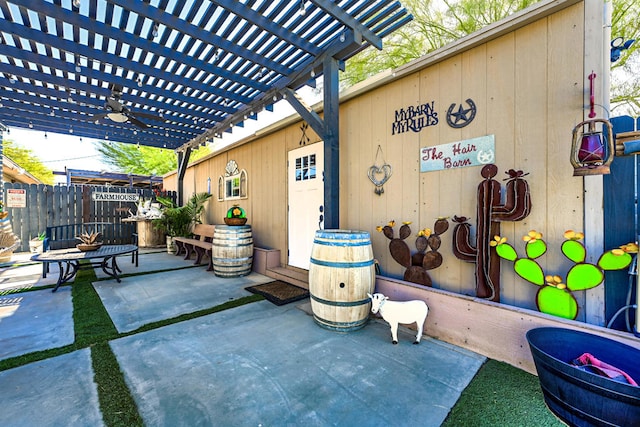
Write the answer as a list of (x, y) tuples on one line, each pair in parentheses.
[(86, 203)]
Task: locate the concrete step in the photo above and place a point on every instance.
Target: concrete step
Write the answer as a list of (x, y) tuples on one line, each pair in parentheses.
[(294, 276)]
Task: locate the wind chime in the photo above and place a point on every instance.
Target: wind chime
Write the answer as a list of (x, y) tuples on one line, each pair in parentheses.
[(592, 150), (379, 174)]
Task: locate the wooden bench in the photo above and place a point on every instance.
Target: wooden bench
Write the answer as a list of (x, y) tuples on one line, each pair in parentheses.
[(64, 237), (200, 243)]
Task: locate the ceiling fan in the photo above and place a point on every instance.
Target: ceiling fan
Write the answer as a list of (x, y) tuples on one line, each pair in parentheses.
[(119, 113)]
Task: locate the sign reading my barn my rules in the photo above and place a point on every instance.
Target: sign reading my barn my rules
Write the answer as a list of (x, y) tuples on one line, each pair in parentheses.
[(470, 152)]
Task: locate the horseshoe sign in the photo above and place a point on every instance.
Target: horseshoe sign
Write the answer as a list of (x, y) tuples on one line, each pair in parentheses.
[(462, 116)]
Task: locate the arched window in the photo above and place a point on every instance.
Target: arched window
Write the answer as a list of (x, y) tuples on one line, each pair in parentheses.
[(220, 188), (234, 183)]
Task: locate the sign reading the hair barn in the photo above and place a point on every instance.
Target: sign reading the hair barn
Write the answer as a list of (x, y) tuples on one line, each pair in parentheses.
[(414, 118), (470, 152)]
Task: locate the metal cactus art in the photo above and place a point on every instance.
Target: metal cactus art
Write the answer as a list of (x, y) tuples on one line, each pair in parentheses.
[(418, 263), (555, 295), (490, 213)]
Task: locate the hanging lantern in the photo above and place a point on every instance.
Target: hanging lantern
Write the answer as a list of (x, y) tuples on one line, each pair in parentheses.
[(592, 151)]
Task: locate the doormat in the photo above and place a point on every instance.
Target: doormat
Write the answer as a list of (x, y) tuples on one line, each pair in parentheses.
[(279, 293)]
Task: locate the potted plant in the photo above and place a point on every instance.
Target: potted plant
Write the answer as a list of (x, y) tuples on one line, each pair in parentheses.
[(235, 216), (179, 220), (3, 214), (90, 241), (35, 244)]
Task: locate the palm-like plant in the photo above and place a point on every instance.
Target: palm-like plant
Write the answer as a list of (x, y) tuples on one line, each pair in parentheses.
[(179, 220)]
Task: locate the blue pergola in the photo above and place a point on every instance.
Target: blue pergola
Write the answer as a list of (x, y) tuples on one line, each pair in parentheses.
[(175, 73)]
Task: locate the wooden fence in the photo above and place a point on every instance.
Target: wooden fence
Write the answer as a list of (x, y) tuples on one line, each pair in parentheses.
[(46, 205)]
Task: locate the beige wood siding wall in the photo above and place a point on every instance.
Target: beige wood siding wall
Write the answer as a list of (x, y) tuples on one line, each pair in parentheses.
[(528, 85)]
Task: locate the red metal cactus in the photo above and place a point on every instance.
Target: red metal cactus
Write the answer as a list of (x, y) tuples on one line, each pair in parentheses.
[(490, 212), (418, 263)]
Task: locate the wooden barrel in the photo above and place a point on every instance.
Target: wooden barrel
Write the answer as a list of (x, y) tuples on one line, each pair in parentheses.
[(232, 250), (341, 273)]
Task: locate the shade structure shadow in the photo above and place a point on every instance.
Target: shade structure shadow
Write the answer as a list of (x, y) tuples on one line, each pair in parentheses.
[(34, 321)]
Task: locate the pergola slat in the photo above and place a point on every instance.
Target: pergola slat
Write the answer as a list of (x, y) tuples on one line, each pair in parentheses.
[(203, 65)]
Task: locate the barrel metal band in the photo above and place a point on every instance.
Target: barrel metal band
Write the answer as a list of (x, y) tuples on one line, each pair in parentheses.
[(340, 303), (340, 326), (341, 243), (342, 264)]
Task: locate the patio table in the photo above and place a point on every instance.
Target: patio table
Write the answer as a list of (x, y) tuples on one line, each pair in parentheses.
[(68, 260)]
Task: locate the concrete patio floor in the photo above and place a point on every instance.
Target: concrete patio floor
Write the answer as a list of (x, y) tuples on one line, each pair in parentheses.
[(257, 364)]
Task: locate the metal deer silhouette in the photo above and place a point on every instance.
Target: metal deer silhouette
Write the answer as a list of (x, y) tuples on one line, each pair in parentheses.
[(490, 213)]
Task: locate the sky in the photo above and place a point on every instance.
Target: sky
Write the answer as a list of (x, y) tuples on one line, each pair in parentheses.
[(57, 151)]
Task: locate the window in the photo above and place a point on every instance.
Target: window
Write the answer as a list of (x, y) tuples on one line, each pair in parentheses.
[(306, 168), (232, 187)]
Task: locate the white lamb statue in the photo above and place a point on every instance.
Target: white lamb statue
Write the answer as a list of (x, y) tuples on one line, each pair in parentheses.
[(404, 312)]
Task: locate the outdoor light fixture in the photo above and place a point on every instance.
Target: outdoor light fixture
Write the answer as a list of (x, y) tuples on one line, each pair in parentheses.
[(30, 124), (78, 66), (592, 150), (117, 117), (76, 3), (302, 9), (618, 45), (155, 30)]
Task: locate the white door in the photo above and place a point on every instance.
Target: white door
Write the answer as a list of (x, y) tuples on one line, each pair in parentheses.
[(306, 201)]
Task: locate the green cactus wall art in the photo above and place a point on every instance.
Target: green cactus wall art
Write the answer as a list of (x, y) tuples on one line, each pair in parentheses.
[(418, 263), (555, 295)]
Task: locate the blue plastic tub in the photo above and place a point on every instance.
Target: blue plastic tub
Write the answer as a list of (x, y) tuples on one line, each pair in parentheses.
[(582, 398)]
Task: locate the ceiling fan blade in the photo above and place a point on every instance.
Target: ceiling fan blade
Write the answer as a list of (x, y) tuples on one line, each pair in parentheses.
[(148, 116), (137, 122)]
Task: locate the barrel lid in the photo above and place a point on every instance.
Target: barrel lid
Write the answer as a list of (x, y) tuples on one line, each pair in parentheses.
[(342, 234)]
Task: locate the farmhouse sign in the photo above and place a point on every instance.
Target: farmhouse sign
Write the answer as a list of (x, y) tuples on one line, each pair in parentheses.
[(470, 152), (115, 197)]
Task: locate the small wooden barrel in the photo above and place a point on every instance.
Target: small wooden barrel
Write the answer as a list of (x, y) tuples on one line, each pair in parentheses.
[(232, 250), (341, 273)]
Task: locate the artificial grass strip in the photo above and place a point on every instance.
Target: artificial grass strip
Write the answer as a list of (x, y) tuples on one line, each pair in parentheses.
[(501, 395), (116, 403), (24, 359), (90, 318), (181, 318)]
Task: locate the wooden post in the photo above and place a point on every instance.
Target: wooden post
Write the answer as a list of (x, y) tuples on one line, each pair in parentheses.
[(331, 145)]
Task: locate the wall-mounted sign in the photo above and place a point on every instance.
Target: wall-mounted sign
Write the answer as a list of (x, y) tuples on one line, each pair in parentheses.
[(414, 118), (460, 117), (16, 198), (470, 152), (115, 197)]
